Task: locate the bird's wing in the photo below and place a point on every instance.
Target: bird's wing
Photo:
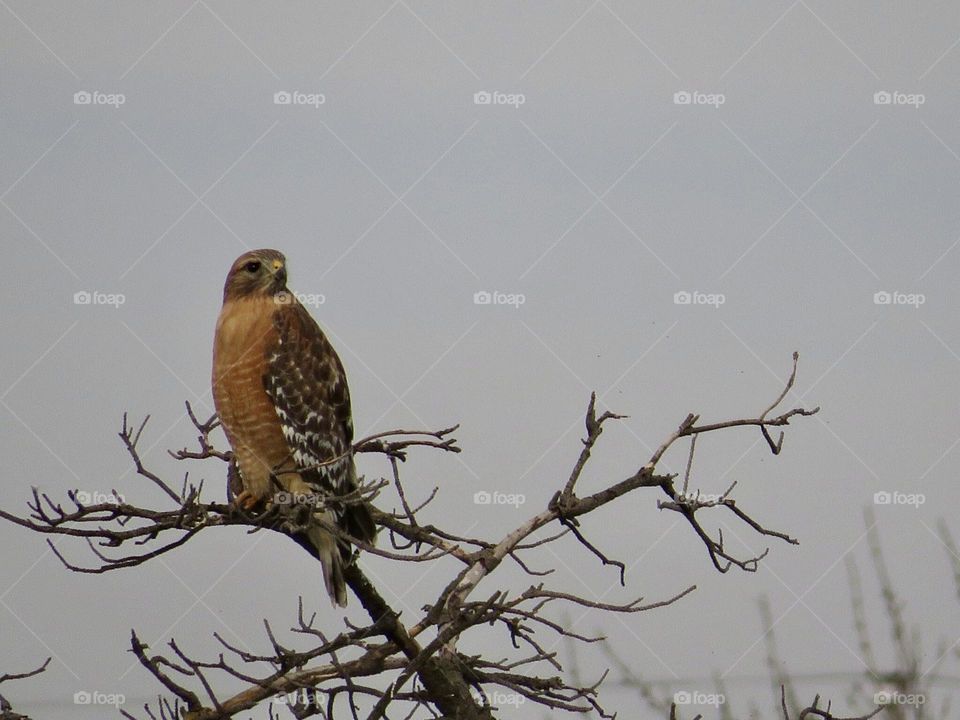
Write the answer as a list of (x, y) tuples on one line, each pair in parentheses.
[(307, 384)]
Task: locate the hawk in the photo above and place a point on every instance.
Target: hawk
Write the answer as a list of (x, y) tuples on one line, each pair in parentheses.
[(282, 396)]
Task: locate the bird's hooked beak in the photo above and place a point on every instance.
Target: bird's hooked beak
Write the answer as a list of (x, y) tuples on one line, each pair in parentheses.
[(279, 271)]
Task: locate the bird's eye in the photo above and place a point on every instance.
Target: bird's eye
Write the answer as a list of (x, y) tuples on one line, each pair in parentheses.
[(252, 266)]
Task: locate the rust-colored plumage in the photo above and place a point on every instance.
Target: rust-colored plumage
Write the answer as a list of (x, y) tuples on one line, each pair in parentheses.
[(283, 400)]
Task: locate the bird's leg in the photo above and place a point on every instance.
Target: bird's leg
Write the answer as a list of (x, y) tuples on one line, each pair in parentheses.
[(247, 500), (237, 495), (234, 481)]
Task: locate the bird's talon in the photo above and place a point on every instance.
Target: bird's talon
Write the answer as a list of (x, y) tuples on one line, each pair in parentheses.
[(246, 501)]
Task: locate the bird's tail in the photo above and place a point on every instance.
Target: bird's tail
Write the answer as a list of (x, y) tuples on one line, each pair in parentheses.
[(327, 550), (356, 518)]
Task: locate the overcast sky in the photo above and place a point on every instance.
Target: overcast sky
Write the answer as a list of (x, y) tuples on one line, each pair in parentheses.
[(790, 168)]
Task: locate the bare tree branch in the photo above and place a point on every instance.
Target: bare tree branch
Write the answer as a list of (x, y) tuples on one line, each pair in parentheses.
[(395, 665), (6, 709)]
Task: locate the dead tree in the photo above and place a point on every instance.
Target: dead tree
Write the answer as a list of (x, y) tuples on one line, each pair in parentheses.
[(6, 709), (413, 665)]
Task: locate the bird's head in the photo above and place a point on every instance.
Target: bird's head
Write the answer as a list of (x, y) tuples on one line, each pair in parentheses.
[(256, 273)]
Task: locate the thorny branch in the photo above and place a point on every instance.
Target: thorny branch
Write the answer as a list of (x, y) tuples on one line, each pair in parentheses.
[(415, 664)]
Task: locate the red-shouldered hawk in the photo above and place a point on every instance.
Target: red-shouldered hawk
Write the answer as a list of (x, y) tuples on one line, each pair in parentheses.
[(283, 400)]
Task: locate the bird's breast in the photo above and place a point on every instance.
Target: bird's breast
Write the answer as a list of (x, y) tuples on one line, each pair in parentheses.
[(245, 334)]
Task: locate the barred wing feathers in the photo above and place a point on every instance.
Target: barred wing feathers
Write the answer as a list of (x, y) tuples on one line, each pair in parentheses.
[(307, 384)]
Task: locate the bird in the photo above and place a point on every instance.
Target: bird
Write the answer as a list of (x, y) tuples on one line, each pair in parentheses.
[(281, 393)]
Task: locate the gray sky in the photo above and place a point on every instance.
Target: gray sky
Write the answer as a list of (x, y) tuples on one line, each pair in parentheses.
[(786, 186)]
